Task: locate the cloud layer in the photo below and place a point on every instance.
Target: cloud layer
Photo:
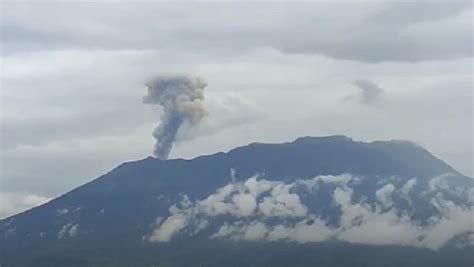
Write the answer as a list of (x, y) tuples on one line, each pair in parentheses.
[(369, 31), (262, 210)]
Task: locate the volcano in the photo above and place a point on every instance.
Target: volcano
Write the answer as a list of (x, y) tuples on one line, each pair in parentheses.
[(315, 201)]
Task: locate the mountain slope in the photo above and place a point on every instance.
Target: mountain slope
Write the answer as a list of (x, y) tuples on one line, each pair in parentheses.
[(268, 197)]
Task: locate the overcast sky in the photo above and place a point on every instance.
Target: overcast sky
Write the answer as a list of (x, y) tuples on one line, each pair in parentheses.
[(73, 74)]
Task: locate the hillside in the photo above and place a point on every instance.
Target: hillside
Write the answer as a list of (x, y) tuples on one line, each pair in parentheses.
[(364, 203)]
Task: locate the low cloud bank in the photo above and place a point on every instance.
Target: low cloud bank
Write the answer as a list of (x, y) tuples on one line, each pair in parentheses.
[(274, 211)]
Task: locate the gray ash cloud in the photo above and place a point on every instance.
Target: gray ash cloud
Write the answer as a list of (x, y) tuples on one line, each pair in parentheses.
[(182, 100)]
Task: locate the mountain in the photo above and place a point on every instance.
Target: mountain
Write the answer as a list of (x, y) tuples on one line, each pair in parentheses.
[(316, 201)]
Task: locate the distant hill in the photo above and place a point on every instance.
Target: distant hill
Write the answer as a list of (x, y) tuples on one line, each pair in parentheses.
[(316, 201)]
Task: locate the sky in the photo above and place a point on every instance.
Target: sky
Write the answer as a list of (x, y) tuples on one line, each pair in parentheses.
[(73, 77)]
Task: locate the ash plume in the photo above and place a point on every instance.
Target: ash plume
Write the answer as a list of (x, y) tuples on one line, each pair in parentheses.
[(370, 92), (182, 100)]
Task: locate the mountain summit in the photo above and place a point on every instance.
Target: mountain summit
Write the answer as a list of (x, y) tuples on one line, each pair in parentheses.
[(289, 204)]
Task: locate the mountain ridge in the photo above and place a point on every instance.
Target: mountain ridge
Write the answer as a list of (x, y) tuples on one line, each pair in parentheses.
[(299, 140)]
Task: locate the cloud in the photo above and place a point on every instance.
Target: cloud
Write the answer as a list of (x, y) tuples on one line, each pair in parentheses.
[(370, 93), (309, 230), (454, 222), (180, 218), (14, 202), (337, 179), (235, 199), (253, 231), (225, 111), (370, 32), (439, 182), (361, 224), (384, 195), (282, 203), (168, 228), (273, 211), (245, 204), (68, 230), (408, 186)]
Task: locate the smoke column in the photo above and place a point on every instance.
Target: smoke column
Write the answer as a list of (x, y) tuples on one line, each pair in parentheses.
[(182, 100)]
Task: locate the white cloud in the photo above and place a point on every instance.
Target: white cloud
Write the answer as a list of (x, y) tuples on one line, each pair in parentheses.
[(14, 202), (252, 231), (236, 199), (282, 203), (310, 230), (68, 230), (453, 222), (245, 204), (267, 210), (361, 224), (384, 195), (224, 231), (168, 228), (257, 187), (225, 111), (439, 182), (215, 204), (255, 231), (336, 179), (408, 186)]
